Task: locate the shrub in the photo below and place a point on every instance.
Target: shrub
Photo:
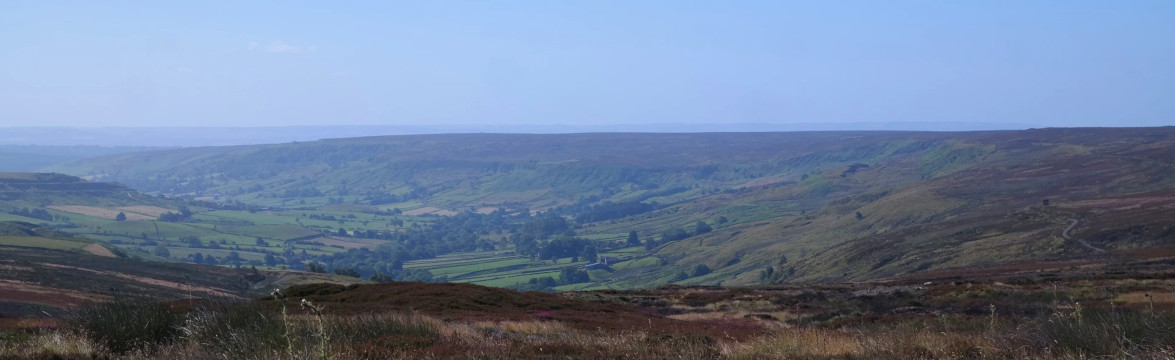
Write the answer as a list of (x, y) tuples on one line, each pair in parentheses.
[(126, 325)]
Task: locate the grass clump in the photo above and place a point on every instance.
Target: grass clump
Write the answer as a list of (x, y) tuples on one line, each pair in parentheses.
[(125, 325), (236, 330), (1105, 333)]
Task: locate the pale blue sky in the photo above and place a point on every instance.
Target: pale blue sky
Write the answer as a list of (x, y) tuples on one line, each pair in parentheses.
[(243, 63)]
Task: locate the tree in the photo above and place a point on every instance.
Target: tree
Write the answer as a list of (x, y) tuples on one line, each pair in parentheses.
[(673, 235), (314, 267), (261, 242), (563, 246), (381, 278), (120, 217), (571, 275), (633, 239), (270, 260), (701, 228), (543, 283), (233, 257), (700, 270), (347, 272), (589, 253), (161, 251)]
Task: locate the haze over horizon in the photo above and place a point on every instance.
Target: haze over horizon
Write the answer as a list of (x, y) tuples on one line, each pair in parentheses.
[(595, 65)]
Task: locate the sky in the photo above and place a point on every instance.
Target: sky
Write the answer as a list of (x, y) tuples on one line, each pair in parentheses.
[(289, 63)]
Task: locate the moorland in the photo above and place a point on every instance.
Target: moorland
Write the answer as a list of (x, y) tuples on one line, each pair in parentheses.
[(990, 244)]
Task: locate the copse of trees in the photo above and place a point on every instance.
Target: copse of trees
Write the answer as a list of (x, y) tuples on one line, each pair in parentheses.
[(567, 276), (673, 234), (701, 227), (544, 227), (184, 214), (34, 213), (572, 275), (347, 272), (566, 246)]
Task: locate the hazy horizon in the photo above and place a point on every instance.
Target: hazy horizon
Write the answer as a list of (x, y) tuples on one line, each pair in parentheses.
[(598, 64), (116, 136)]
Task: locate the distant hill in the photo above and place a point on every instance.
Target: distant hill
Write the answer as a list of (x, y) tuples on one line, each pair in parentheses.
[(469, 170), (224, 136), (18, 228), (36, 157), (41, 189), (801, 206)]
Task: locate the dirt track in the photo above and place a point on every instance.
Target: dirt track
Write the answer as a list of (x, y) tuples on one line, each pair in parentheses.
[(1065, 234)]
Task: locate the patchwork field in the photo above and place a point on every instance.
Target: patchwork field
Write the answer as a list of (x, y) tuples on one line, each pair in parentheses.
[(101, 213), (153, 211)]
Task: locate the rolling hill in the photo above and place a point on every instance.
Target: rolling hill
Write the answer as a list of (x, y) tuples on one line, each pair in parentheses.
[(782, 207)]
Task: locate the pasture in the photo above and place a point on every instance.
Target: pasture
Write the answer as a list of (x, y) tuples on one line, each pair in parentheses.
[(100, 212), (43, 243)]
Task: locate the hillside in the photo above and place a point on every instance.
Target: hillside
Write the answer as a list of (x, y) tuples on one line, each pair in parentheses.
[(47, 272), (772, 207), (35, 157), (459, 171)]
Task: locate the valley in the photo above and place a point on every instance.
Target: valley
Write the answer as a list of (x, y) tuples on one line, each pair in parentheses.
[(742, 208), (718, 243)]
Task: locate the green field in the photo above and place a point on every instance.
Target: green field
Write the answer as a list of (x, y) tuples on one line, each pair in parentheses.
[(42, 242)]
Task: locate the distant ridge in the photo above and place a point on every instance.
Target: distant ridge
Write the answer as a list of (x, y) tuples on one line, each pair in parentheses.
[(222, 136)]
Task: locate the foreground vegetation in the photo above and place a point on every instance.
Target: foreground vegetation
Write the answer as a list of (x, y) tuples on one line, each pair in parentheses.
[(1022, 319)]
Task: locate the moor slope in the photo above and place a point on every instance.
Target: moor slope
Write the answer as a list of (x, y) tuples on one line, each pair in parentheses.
[(809, 206)]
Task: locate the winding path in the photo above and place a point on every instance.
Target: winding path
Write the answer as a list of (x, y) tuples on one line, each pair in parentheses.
[(1065, 234)]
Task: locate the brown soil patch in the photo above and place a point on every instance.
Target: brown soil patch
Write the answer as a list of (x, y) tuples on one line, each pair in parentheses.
[(342, 243), (1160, 298), (430, 210), (19, 291), (98, 250), (421, 211), (1006, 269), (763, 181), (1150, 253), (150, 281), (287, 278), (104, 213), (151, 211), (479, 303), (1118, 204)]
